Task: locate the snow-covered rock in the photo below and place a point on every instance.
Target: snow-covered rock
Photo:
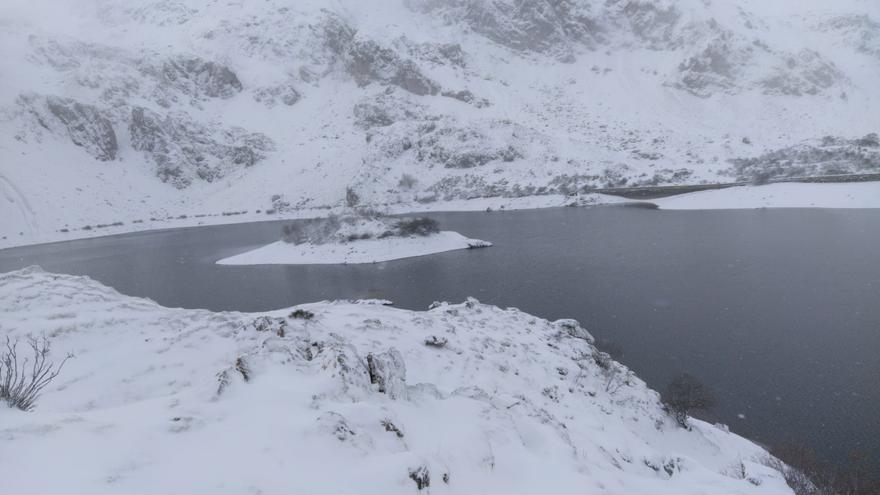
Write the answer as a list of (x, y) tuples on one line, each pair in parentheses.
[(827, 156), (85, 125), (184, 149), (160, 400)]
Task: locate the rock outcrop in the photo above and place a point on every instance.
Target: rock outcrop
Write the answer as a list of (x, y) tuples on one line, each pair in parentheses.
[(86, 125), (368, 61), (183, 149), (827, 156)]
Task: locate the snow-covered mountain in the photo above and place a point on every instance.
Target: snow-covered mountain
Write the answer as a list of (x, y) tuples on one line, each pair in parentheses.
[(348, 397), (123, 111)]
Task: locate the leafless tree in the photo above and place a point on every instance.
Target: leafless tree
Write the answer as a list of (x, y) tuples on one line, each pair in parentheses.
[(684, 394), (23, 379)]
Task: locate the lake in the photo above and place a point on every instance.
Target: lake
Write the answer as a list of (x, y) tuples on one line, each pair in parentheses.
[(778, 311)]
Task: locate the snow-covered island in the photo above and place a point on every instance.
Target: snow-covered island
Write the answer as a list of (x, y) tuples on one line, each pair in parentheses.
[(341, 397), (355, 238)]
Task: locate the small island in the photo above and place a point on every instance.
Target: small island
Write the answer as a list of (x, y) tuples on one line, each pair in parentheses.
[(362, 237)]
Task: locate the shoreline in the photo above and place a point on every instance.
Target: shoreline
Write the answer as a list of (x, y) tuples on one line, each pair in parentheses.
[(718, 198)]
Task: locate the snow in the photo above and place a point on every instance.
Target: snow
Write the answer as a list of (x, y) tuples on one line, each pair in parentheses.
[(615, 108), (162, 400), (360, 251), (782, 195)]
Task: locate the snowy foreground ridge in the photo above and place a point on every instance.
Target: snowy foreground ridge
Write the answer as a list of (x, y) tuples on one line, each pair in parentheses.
[(360, 398), (361, 251)]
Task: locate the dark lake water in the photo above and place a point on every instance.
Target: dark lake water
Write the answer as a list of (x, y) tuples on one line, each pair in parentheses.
[(778, 311)]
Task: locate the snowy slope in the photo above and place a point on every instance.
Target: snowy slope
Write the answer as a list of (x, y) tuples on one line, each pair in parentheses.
[(161, 400), (123, 111)]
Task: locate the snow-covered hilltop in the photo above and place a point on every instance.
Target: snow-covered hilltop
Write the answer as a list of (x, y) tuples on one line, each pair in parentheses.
[(341, 397), (138, 112)]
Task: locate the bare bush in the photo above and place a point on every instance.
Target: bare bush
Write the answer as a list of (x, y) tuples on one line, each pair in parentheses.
[(22, 380), (418, 226), (615, 378), (360, 224), (407, 182), (302, 314), (351, 198), (314, 230), (684, 394)]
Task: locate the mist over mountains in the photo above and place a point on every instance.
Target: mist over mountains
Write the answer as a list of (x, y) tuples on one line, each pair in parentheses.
[(124, 110)]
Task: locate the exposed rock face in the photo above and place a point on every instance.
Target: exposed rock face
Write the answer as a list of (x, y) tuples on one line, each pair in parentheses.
[(386, 109), (273, 95), (449, 144), (729, 64), (68, 55), (859, 31), (462, 147), (367, 61), (653, 22), (183, 149), (559, 27), (388, 372), (448, 54), (121, 75), (829, 156), (192, 76), (804, 73), (718, 66), (399, 128), (523, 26), (86, 125)]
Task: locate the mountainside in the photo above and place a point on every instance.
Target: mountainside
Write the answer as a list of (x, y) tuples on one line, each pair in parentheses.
[(341, 397), (124, 111)]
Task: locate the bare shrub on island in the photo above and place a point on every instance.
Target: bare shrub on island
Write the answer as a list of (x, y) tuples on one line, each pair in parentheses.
[(418, 226), (313, 230), (361, 225)]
